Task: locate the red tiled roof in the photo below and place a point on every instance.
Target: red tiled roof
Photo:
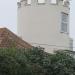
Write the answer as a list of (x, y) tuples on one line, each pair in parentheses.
[(9, 39)]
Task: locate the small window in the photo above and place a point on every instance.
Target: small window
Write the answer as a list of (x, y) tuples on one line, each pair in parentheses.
[(53, 1), (64, 22), (41, 1)]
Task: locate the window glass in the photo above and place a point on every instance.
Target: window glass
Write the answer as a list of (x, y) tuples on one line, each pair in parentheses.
[(64, 22), (64, 27)]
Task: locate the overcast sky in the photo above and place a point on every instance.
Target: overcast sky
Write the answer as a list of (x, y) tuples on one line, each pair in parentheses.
[(8, 16)]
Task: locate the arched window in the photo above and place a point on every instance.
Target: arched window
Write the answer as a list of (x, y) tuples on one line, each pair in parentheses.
[(41, 1)]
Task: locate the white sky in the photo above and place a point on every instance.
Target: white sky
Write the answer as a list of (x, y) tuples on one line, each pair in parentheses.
[(8, 16)]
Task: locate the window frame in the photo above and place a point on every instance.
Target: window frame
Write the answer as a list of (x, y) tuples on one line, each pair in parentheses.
[(62, 29)]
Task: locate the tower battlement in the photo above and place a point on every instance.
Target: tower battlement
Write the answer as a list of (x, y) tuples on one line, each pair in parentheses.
[(65, 3)]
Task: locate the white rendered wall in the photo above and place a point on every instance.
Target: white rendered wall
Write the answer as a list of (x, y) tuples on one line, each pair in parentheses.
[(41, 24)]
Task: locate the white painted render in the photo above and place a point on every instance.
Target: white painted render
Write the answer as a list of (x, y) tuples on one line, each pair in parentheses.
[(40, 25)]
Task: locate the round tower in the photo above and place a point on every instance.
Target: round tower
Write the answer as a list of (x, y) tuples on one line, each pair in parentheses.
[(45, 23)]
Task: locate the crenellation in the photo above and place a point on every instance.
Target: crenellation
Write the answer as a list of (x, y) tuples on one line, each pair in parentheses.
[(19, 4), (65, 3)]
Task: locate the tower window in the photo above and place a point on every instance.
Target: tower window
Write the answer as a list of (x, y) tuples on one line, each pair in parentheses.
[(64, 22), (41, 1), (53, 1)]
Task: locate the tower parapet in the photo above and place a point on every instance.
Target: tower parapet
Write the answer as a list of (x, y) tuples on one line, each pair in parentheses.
[(65, 3)]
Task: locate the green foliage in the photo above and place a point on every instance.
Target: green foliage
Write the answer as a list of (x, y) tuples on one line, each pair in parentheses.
[(36, 62)]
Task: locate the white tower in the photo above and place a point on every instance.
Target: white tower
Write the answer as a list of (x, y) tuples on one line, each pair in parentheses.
[(45, 23)]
